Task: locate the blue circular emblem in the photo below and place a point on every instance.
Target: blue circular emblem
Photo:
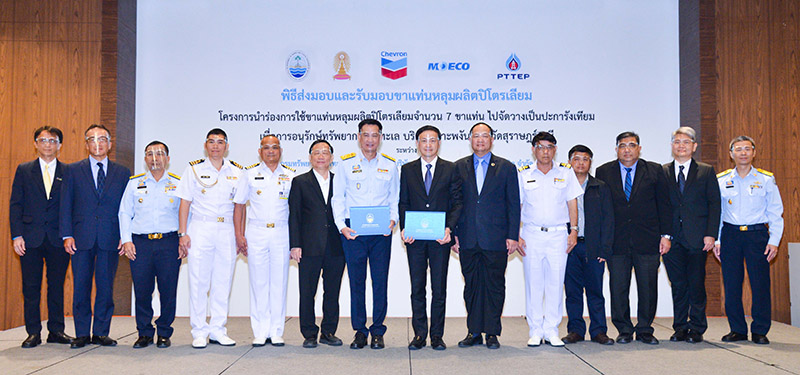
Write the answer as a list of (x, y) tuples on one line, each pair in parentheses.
[(297, 65)]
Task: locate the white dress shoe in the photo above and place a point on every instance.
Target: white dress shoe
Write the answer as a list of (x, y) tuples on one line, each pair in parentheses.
[(199, 343), (555, 341), (277, 341), (223, 340), (259, 341), (534, 341)]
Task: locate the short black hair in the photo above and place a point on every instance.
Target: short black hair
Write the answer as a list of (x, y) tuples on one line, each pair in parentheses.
[(155, 143), (742, 138), (370, 121), (318, 141), (543, 136), (97, 126), (217, 131), (425, 128), (628, 134), (491, 131), (50, 129), (580, 148)]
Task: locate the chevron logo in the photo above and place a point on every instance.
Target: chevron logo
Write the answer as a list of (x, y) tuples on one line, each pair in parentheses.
[(394, 65)]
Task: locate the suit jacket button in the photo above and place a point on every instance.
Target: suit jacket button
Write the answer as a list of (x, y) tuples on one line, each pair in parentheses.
[(427, 205)]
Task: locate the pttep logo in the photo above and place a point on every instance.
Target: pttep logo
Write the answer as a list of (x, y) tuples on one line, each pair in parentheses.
[(513, 64), (297, 65), (394, 65)]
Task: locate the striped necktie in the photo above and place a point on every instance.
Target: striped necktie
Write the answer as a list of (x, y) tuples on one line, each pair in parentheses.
[(628, 183)]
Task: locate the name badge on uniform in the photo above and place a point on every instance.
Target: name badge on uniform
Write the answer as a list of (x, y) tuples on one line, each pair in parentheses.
[(205, 176), (558, 180), (383, 170), (142, 187), (356, 171), (260, 178)]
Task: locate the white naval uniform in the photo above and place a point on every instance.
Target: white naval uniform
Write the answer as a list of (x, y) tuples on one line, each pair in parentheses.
[(267, 236), (544, 200), (213, 252)]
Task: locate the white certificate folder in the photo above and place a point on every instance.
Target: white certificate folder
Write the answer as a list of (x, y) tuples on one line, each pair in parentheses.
[(425, 225)]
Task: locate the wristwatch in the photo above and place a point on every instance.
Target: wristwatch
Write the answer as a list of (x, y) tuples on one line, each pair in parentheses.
[(181, 234), (575, 228), (667, 236)]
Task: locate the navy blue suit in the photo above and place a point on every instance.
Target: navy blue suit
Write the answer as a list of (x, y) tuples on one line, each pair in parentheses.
[(487, 220), (34, 216), (90, 217)]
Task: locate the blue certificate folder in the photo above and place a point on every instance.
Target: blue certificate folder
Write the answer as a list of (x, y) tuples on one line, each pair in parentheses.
[(370, 220), (425, 225)]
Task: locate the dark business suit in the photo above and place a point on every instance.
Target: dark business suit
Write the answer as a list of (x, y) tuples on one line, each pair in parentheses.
[(444, 196), (90, 217), (638, 226), (487, 220), (584, 272), (33, 215), (695, 214), (311, 227)]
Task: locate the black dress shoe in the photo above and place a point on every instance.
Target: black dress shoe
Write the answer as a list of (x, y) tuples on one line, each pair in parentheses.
[(624, 338), (359, 341), (59, 338), (760, 339), (492, 342), (734, 336), (377, 342), (310, 342), (437, 343), (602, 339), (470, 340), (680, 335), (32, 341), (143, 342), (694, 337), (572, 338), (330, 339), (103, 341), (647, 338), (163, 342), (417, 343), (80, 342)]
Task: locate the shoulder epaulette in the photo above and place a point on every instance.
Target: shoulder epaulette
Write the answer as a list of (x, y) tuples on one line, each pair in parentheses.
[(565, 165), (389, 157), (235, 164), (137, 176), (524, 167), (198, 161), (287, 167), (349, 156), (173, 175), (723, 173), (252, 166), (768, 173)]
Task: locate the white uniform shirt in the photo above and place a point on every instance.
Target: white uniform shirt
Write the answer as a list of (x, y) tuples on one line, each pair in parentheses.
[(751, 199), (149, 206), (267, 191), (210, 191), (544, 197), (360, 182)]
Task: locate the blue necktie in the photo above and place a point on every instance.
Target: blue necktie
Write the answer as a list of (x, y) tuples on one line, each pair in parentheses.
[(681, 179), (101, 178), (628, 183), (428, 178), (480, 175)]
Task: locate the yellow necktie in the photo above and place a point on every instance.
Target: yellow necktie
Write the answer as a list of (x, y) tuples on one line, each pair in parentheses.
[(48, 181)]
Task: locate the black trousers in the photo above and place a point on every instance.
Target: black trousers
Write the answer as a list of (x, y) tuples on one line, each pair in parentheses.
[(737, 250), (686, 269), (155, 260), (422, 254), (619, 272), (309, 269), (32, 263), (484, 288)]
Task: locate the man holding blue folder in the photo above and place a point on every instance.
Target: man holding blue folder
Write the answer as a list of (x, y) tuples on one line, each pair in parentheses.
[(366, 179), (428, 186)]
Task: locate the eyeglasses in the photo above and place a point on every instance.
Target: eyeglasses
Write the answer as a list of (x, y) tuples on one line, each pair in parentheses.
[(52, 141), (685, 142), (320, 152), (745, 149), (545, 148), (631, 145), (151, 154), (101, 139), (271, 147)]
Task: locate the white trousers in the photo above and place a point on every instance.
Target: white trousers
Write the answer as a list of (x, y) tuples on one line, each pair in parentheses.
[(544, 264), (211, 261), (268, 265)]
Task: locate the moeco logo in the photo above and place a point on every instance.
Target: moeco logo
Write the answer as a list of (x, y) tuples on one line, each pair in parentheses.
[(394, 65), (513, 65), (440, 66)]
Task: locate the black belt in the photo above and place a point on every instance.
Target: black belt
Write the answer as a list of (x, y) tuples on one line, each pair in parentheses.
[(581, 239), (747, 228), (156, 236)]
